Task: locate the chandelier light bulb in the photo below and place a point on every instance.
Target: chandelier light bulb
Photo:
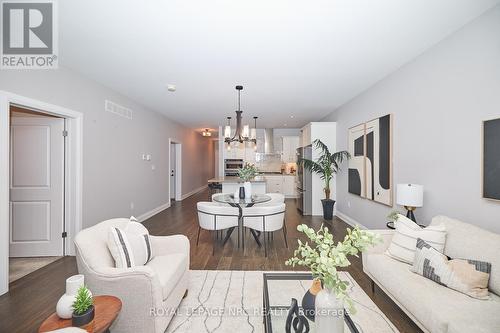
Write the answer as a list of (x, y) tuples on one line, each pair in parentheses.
[(246, 132), (227, 131)]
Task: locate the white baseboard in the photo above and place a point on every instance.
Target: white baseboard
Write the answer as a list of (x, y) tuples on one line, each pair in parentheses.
[(153, 212), (349, 220), (199, 189)]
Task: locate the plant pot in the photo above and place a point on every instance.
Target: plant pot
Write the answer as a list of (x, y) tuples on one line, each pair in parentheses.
[(329, 316), (83, 319), (248, 189), (328, 208)]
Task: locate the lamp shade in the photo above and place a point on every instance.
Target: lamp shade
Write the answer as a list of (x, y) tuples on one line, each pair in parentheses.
[(410, 195)]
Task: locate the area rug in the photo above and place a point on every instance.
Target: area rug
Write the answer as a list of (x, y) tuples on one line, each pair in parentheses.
[(231, 301)]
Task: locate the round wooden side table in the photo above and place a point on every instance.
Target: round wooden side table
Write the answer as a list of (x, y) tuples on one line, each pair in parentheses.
[(107, 309)]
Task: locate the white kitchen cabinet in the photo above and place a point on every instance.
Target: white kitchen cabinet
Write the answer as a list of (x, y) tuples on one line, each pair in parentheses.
[(284, 184), (274, 184), (305, 136), (289, 151), (289, 188)]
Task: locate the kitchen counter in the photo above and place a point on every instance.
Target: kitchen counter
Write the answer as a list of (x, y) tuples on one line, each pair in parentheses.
[(236, 180), (264, 183)]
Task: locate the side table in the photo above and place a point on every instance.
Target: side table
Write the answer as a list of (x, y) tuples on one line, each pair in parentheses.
[(107, 309)]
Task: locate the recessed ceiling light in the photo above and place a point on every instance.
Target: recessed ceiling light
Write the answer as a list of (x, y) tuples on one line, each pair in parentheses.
[(171, 87), (291, 116)]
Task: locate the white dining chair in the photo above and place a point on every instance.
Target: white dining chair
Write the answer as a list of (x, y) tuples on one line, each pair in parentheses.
[(266, 219), (214, 217), (276, 198)]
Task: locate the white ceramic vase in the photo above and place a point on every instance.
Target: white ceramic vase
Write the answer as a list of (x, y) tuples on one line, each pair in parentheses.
[(329, 313), (248, 189), (64, 307)]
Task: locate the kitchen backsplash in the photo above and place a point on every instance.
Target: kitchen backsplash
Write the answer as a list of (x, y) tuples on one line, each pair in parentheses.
[(268, 162)]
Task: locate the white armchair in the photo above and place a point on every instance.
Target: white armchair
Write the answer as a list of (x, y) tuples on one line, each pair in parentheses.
[(149, 293)]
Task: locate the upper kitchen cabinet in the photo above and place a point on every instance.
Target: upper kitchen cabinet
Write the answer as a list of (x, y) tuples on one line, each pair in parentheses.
[(305, 136), (289, 150)]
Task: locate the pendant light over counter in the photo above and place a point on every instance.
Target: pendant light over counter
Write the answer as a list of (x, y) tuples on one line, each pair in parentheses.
[(241, 133)]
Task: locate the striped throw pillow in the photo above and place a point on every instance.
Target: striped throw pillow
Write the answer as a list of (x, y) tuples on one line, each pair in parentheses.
[(464, 275), (130, 246), (404, 240)]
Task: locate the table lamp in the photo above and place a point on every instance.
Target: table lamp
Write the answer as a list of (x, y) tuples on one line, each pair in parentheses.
[(410, 196)]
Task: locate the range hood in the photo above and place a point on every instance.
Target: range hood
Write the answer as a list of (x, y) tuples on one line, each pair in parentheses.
[(269, 141), (270, 159)]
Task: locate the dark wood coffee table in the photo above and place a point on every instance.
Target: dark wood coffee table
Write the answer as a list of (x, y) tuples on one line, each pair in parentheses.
[(107, 309)]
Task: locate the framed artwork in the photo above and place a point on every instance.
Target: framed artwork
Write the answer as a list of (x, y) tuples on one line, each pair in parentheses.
[(491, 159), (356, 171), (370, 166)]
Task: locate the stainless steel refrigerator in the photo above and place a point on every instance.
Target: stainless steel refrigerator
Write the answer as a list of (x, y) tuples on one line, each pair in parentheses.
[(304, 183)]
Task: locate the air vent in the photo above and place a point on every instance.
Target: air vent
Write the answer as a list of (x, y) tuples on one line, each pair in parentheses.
[(118, 109)]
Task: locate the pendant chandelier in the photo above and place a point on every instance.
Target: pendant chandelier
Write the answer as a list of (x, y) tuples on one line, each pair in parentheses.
[(241, 133)]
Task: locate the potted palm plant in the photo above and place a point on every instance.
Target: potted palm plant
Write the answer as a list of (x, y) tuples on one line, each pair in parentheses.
[(326, 166)]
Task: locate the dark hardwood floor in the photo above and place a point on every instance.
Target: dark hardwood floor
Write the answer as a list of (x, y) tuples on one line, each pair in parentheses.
[(32, 298)]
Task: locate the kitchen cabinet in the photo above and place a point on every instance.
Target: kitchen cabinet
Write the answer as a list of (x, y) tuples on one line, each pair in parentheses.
[(289, 149), (274, 184), (289, 187), (284, 184), (305, 136)]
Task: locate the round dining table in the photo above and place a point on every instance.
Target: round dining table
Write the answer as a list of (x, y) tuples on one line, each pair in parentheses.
[(240, 204)]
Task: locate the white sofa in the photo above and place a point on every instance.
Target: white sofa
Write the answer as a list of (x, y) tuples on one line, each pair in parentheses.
[(435, 308), (158, 286)]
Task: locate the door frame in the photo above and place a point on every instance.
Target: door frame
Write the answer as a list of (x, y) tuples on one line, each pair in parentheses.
[(73, 173), (178, 168)]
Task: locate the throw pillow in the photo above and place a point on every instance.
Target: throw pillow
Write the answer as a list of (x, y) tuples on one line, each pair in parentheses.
[(130, 246), (404, 240), (466, 276)]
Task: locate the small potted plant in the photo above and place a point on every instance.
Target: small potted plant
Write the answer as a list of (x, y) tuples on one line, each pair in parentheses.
[(83, 307), (324, 258), (325, 166), (246, 173)]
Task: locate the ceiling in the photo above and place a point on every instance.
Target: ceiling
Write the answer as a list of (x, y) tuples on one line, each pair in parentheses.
[(299, 59)]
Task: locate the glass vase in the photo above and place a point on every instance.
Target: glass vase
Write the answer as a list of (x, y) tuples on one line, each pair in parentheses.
[(329, 316)]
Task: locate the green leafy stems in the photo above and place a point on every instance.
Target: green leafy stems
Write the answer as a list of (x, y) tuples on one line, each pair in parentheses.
[(393, 216), (323, 257), (248, 172), (83, 301), (326, 165)]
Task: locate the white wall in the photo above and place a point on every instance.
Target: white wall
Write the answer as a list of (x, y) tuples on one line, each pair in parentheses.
[(113, 173), (439, 101)]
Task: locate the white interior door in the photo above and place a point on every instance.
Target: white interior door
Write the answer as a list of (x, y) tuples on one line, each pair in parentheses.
[(172, 170), (36, 186)]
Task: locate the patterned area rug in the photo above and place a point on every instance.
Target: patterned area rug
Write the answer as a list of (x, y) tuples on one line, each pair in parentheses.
[(231, 301)]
